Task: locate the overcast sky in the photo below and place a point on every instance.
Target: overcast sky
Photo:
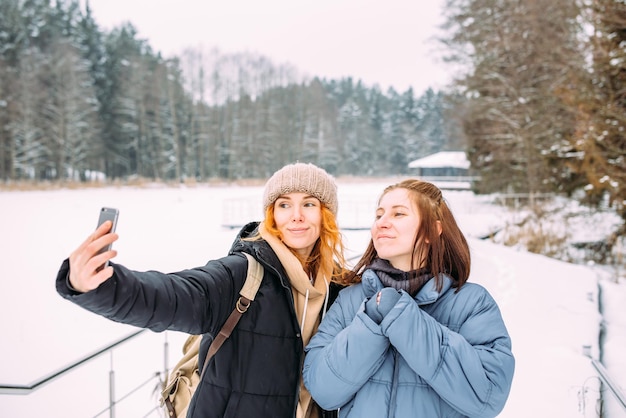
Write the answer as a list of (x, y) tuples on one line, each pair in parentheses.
[(380, 42)]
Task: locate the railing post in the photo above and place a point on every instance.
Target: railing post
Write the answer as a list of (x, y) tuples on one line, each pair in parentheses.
[(112, 389), (166, 358)]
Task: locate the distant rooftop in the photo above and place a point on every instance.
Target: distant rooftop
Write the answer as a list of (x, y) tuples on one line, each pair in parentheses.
[(456, 159)]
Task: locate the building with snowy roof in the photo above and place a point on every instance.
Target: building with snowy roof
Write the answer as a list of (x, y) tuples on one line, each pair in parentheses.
[(440, 164), (447, 169)]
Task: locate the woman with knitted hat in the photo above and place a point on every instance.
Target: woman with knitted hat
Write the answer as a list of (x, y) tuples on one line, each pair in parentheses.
[(414, 338), (257, 371)]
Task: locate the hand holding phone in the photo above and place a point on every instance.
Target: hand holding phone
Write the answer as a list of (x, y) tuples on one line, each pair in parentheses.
[(85, 274), (107, 214)]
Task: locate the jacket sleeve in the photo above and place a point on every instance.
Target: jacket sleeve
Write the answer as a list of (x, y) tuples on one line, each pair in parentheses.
[(471, 369), (191, 301), (347, 349)]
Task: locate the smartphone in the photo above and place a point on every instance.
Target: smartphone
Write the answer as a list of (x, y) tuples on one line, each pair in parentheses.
[(107, 214)]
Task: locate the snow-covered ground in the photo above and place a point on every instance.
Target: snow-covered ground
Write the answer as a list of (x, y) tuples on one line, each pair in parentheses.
[(552, 308)]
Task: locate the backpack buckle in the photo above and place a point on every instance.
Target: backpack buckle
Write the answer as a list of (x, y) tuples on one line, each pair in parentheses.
[(242, 304)]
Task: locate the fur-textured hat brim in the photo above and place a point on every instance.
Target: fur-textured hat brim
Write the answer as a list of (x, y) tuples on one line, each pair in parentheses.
[(303, 178)]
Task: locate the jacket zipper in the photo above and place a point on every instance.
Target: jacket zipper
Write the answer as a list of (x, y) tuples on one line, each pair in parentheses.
[(394, 387), (299, 333)]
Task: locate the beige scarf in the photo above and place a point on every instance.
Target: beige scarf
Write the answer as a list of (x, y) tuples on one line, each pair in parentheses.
[(307, 308)]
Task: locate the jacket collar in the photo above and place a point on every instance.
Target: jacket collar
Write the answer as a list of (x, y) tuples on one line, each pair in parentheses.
[(427, 294), (260, 250)]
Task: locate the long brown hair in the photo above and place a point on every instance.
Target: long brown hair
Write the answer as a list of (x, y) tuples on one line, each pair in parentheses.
[(446, 252), (328, 252)]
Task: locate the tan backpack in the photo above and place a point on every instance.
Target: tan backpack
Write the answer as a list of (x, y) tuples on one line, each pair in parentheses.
[(185, 376)]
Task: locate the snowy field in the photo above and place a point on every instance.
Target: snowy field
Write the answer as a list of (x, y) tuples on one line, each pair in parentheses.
[(550, 307)]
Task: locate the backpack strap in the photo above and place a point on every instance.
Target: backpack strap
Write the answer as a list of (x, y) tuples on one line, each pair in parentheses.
[(253, 279), (248, 292)]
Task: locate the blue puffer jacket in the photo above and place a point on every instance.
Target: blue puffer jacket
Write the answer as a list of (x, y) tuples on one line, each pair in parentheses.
[(448, 355)]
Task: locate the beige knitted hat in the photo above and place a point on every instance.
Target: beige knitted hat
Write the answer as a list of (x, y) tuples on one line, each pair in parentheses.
[(303, 178)]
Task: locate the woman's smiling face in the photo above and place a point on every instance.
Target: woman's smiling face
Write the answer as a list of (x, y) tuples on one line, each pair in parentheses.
[(298, 217), (395, 228)]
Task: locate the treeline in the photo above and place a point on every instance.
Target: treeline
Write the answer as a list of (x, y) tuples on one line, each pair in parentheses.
[(542, 100), (539, 103), (78, 102)]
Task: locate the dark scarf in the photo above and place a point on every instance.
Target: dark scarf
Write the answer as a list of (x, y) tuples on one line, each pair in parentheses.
[(409, 281)]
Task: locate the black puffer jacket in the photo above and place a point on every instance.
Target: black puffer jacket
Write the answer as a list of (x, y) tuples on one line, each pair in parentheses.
[(256, 372)]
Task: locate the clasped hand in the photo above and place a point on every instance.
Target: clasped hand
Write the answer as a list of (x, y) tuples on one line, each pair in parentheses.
[(378, 306)]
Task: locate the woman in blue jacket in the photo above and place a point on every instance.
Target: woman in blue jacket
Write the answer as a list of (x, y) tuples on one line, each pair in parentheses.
[(414, 338)]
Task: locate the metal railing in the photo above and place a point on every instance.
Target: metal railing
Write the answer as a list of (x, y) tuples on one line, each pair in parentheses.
[(25, 389), (609, 383), (10, 389)]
